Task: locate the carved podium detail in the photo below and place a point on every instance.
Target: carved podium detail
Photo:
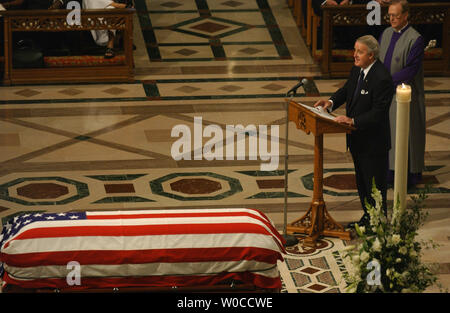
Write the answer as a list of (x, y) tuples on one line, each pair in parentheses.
[(317, 221)]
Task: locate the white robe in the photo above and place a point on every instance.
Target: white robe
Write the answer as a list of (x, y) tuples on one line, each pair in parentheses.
[(101, 35)]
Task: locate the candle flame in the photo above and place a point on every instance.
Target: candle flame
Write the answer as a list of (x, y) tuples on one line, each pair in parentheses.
[(403, 86)]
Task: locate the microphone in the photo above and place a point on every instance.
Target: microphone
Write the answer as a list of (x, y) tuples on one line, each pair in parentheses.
[(293, 90)]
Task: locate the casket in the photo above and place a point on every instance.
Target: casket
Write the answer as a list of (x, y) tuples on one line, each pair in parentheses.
[(196, 249)]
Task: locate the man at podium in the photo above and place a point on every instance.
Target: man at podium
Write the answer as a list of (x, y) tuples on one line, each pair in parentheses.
[(367, 93)]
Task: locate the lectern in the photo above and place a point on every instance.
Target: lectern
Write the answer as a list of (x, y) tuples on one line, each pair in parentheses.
[(317, 221)]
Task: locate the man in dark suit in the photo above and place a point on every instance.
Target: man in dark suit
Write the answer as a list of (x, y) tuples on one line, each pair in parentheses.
[(368, 93)]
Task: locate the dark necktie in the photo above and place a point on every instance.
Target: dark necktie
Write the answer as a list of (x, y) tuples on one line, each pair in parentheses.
[(358, 86)]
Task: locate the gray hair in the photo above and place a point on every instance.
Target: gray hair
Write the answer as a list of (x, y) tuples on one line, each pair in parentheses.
[(403, 3), (371, 43)]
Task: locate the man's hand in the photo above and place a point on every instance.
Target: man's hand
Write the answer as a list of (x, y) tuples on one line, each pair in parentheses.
[(323, 103), (331, 2), (343, 119), (345, 2)]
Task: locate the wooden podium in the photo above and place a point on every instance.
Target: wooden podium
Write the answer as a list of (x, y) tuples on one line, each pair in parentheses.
[(317, 221)]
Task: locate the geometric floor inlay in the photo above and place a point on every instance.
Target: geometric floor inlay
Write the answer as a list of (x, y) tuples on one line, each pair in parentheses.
[(314, 269), (183, 187), (107, 145)]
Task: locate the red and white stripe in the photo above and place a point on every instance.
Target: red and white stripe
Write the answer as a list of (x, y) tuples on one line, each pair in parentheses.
[(147, 248)]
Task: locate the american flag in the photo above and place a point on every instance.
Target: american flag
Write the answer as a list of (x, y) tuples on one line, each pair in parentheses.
[(142, 248)]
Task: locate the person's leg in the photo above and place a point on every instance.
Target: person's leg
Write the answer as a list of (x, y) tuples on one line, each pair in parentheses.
[(375, 167), (360, 181), (109, 52), (362, 191)]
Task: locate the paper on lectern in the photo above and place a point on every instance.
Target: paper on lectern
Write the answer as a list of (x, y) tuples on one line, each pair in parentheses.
[(319, 111)]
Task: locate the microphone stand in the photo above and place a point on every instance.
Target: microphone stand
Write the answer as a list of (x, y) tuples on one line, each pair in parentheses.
[(290, 239)]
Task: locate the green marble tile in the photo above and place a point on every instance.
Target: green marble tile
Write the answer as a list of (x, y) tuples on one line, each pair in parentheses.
[(276, 194), (116, 177), (82, 191), (124, 199), (264, 173), (151, 90), (82, 138)]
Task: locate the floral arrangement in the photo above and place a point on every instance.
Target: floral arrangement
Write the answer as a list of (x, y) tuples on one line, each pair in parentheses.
[(388, 257)]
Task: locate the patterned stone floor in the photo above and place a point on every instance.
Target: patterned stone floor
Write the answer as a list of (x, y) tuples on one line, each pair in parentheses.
[(110, 146), (314, 270)]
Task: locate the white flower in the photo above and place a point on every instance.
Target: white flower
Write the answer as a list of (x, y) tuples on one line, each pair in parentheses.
[(362, 229), (396, 239), (405, 275), (403, 250), (364, 257), (412, 253), (390, 272), (349, 248), (376, 195), (376, 245), (356, 259), (398, 260)]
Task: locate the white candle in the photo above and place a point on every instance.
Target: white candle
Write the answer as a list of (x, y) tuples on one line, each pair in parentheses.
[(403, 98), (403, 93)]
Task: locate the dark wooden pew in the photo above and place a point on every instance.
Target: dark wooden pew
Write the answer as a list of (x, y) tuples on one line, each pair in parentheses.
[(436, 60), (77, 69)]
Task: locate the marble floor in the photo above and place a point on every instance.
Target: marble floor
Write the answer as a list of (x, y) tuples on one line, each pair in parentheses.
[(201, 66)]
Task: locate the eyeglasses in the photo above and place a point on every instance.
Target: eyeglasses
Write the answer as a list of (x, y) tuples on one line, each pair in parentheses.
[(396, 16)]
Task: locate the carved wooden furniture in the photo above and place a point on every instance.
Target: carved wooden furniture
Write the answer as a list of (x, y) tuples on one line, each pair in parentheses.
[(55, 21), (309, 22), (355, 15), (297, 12), (317, 221), (314, 29)]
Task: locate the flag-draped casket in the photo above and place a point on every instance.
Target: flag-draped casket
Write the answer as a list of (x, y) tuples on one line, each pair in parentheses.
[(145, 248)]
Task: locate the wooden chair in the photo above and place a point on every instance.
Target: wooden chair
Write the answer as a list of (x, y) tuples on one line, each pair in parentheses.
[(297, 12), (309, 15), (315, 26), (312, 24), (299, 19)]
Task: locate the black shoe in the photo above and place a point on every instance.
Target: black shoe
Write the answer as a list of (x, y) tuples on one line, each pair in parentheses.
[(109, 53), (414, 179), (364, 221)]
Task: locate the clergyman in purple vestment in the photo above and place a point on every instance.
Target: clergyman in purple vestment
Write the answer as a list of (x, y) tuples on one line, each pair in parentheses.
[(401, 51)]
